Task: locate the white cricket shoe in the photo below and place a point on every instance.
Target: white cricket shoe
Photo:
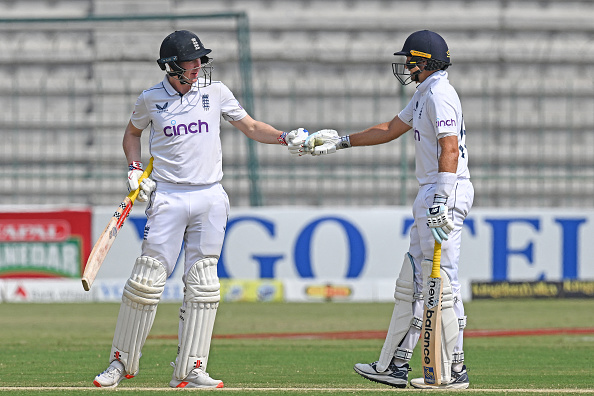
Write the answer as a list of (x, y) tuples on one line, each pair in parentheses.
[(112, 376), (196, 379), (394, 376), (459, 381)]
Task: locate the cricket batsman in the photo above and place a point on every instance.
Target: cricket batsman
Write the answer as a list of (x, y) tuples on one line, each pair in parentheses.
[(186, 204), (434, 119)]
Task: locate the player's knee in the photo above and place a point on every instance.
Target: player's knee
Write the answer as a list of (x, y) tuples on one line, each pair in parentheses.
[(404, 290), (147, 281), (202, 282)]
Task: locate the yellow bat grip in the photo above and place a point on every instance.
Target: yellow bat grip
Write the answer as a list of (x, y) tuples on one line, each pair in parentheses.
[(436, 261), (145, 174)]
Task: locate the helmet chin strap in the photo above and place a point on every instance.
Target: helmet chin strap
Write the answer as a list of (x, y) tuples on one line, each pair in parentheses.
[(183, 79)]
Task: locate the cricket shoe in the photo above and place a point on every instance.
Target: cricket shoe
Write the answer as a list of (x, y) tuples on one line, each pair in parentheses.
[(458, 381), (196, 379), (112, 375), (393, 376)]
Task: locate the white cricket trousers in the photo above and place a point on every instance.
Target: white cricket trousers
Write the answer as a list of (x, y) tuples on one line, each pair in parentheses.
[(193, 215), (421, 239)]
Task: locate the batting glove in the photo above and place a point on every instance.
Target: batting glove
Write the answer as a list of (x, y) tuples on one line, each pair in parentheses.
[(439, 222), (147, 185), (326, 141), (294, 140)]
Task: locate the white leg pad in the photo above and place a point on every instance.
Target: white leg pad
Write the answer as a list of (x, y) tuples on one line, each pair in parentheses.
[(449, 328), (197, 316), (402, 316), (142, 293)]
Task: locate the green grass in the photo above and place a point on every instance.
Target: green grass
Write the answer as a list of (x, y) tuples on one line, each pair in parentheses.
[(66, 345)]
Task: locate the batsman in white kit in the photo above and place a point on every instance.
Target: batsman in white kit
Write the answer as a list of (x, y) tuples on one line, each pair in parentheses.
[(186, 204), (445, 196)]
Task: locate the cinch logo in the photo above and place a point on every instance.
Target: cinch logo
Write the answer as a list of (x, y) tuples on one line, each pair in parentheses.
[(196, 44), (183, 129), (441, 123)]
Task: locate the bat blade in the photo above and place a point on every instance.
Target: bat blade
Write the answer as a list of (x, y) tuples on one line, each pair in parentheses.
[(104, 243), (109, 235), (431, 335)]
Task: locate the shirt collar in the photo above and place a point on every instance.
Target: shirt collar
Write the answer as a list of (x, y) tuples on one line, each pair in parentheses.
[(172, 91), (431, 80)]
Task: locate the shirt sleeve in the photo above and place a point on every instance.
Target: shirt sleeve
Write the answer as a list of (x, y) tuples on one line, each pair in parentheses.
[(140, 116), (445, 117), (231, 110), (406, 115)]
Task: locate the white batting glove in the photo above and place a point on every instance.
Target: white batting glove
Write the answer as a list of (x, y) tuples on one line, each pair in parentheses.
[(439, 222), (325, 141), (294, 140), (147, 185)]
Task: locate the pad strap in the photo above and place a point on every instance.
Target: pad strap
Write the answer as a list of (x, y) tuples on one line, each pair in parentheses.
[(417, 323), (403, 353)]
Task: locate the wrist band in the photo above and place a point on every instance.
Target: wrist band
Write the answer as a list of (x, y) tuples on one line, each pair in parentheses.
[(281, 138), (445, 183), (135, 165), (345, 142)]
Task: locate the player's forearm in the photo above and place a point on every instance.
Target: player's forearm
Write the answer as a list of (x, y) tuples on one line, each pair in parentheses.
[(379, 134), (257, 130), (132, 146), (447, 168), (265, 133), (448, 159)]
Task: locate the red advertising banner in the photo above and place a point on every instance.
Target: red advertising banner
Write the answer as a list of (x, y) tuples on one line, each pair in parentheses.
[(44, 244)]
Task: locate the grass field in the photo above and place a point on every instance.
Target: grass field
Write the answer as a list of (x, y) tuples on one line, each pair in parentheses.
[(53, 349)]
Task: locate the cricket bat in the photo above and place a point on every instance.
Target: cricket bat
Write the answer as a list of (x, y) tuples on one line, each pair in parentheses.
[(110, 233), (432, 323)]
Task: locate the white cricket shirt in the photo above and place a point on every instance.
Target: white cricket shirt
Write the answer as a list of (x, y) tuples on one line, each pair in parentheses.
[(185, 130), (435, 112)]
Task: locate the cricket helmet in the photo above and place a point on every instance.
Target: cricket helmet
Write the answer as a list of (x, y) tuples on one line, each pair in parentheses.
[(425, 47), (183, 46)]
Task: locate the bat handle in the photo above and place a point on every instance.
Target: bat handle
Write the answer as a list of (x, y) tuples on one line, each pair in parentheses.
[(145, 174), (436, 261)]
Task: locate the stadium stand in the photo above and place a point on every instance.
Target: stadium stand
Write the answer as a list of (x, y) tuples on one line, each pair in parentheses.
[(522, 69)]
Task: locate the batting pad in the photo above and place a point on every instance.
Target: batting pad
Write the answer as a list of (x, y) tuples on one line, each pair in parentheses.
[(142, 293), (197, 316), (402, 316)]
